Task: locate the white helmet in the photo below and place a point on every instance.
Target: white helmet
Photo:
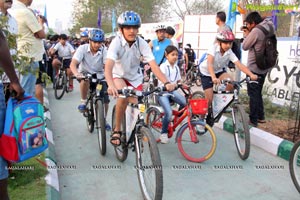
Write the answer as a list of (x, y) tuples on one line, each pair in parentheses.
[(160, 27)]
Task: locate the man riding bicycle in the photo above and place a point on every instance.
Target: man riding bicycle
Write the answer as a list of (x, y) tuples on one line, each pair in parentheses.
[(122, 67), (65, 52), (91, 59)]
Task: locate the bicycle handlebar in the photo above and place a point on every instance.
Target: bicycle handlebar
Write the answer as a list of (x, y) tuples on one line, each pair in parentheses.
[(130, 91)]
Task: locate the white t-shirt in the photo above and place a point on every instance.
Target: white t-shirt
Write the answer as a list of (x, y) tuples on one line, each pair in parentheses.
[(171, 72), (88, 62), (220, 62), (64, 51), (127, 59)]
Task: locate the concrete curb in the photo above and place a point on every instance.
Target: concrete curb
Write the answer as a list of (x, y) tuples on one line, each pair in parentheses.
[(262, 139), (52, 188)]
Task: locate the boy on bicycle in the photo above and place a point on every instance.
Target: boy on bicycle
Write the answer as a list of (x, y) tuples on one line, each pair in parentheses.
[(91, 59), (215, 69), (122, 67)]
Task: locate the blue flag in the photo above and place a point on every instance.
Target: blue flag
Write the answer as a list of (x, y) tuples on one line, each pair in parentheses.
[(232, 13), (274, 14), (113, 20), (99, 18), (45, 14)]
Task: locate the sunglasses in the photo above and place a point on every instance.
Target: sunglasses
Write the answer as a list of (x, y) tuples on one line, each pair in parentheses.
[(8, 1)]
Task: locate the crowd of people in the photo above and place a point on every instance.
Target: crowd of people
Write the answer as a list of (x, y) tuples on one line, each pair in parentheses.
[(118, 60)]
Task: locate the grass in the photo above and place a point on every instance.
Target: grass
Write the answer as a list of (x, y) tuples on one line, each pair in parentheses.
[(272, 111), (27, 180)]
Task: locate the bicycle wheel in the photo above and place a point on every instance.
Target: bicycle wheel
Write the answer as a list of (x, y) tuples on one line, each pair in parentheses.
[(60, 85), (122, 150), (100, 126), (198, 80), (241, 131), (189, 77), (294, 165), (154, 122), (196, 148), (148, 165), (90, 116), (198, 95)]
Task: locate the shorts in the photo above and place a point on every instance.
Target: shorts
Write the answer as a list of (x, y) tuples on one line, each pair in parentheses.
[(139, 88), (42, 69), (207, 81), (66, 62)]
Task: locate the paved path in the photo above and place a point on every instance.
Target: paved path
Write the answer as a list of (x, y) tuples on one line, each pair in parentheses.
[(77, 150)]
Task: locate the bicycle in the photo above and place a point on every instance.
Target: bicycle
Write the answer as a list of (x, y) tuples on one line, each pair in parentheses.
[(193, 75), (223, 100), (61, 82), (95, 109), (188, 133), (294, 165), (136, 136)]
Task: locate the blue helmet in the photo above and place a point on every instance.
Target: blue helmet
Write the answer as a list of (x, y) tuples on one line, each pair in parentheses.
[(129, 18), (84, 34), (96, 35)]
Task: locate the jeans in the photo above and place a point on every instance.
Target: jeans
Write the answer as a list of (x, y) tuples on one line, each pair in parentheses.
[(28, 80), (164, 101), (3, 163), (256, 101)]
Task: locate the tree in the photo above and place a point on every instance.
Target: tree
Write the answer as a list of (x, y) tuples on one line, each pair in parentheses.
[(86, 13), (195, 7)]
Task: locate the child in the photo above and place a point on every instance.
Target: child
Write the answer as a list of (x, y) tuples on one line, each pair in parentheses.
[(214, 70), (172, 72)]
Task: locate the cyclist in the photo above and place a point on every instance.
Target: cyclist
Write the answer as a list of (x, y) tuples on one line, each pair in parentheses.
[(91, 58), (122, 67), (65, 50), (214, 69), (172, 72), (84, 37)]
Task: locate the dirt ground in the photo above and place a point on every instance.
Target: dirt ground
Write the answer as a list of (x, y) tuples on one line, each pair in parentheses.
[(282, 128)]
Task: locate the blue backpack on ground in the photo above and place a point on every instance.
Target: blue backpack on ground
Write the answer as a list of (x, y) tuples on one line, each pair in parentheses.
[(24, 133)]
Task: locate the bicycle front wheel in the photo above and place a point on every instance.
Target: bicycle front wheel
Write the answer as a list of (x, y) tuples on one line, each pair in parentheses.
[(122, 150), (154, 122), (100, 122), (90, 121), (294, 165), (196, 147), (148, 165), (60, 85), (241, 131)]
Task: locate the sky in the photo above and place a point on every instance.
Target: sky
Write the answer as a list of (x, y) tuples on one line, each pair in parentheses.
[(56, 10), (62, 10)]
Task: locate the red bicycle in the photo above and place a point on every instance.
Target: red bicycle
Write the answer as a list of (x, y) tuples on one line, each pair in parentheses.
[(191, 132)]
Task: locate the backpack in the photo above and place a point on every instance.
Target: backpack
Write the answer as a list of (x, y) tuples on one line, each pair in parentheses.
[(24, 133), (269, 57), (236, 49)]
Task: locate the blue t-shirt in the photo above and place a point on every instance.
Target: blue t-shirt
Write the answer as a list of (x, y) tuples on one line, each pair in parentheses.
[(158, 49)]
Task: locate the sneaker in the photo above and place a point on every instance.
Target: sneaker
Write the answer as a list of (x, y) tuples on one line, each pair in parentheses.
[(71, 88), (164, 138), (82, 107), (107, 127)]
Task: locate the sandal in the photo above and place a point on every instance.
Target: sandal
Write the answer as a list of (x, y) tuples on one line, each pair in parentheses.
[(115, 138)]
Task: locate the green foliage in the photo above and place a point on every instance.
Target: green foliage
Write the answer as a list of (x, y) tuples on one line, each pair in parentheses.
[(272, 111), (19, 60), (27, 180), (86, 14)]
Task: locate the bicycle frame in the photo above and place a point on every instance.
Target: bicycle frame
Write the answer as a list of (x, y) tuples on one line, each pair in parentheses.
[(179, 116), (223, 99)]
